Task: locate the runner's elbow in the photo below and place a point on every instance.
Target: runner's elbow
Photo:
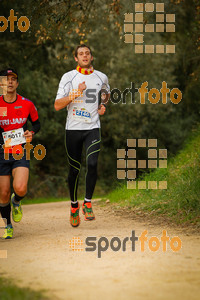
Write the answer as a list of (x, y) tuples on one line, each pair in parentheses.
[(56, 106)]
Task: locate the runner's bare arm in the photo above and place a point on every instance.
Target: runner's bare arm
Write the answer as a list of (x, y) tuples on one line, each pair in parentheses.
[(63, 102)]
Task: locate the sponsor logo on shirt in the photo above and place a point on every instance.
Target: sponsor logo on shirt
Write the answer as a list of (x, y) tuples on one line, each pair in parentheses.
[(13, 121), (3, 111)]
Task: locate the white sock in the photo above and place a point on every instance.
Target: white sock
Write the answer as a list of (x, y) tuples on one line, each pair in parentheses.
[(74, 204), (87, 200)]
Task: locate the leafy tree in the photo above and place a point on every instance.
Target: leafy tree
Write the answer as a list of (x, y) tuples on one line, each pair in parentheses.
[(44, 53)]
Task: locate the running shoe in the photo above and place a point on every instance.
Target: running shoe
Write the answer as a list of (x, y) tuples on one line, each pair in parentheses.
[(8, 234), (74, 217), (88, 212), (16, 210)]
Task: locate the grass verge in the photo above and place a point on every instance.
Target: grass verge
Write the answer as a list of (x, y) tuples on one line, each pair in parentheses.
[(8, 291), (51, 199), (181, 200)]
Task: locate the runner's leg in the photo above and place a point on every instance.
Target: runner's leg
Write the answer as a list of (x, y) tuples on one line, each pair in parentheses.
[(92, 145), (5, 208), (20, 182), (74, 145)]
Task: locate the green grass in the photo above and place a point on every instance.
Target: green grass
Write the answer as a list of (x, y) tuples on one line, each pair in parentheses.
[(8, 291), (181, 201), (50, 199)]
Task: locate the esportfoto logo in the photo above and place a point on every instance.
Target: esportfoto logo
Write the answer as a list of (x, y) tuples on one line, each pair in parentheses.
[(23, 22), (18, 151), (133, 33), (154, 95), (116, 244), (128, 164), (3, 85), (3, 224)]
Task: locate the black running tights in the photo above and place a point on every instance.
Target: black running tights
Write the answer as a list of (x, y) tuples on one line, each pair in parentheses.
[(74, 145)]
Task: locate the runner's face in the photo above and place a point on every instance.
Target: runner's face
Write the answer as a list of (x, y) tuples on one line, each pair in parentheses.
[(12, 84), (84, 57)]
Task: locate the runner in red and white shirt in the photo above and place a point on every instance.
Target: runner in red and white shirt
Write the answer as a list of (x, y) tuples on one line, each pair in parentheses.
[(81, 91), (15, 111)]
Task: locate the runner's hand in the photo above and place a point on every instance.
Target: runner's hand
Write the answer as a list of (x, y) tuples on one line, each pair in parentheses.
[(101, 110), (82, 86), (28, 136)]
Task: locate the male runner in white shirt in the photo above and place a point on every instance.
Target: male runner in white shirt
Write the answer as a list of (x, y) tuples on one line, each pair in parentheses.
[(80, 90)]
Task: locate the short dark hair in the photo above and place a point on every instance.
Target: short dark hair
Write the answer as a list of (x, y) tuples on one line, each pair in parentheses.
[(81, 46)]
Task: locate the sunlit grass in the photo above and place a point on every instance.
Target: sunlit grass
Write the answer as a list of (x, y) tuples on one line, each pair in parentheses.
[(181, 200)]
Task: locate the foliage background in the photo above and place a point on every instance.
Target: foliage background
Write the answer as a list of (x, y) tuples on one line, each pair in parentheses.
[(44, 53)]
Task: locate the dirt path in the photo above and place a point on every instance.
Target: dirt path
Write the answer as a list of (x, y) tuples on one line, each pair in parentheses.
[(39, 256)]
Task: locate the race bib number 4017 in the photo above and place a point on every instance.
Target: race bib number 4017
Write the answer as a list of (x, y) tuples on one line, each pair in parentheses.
[(14, 137)]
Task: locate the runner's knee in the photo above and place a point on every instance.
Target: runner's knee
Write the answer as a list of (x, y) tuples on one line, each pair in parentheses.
[(92, 166), (20, 189), (4, 195)]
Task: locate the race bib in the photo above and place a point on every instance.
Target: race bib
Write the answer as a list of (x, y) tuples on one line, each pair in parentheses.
[(82, 115), (14, 137)]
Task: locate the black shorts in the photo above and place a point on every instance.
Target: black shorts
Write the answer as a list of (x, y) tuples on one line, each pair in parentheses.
[(6, 166)]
